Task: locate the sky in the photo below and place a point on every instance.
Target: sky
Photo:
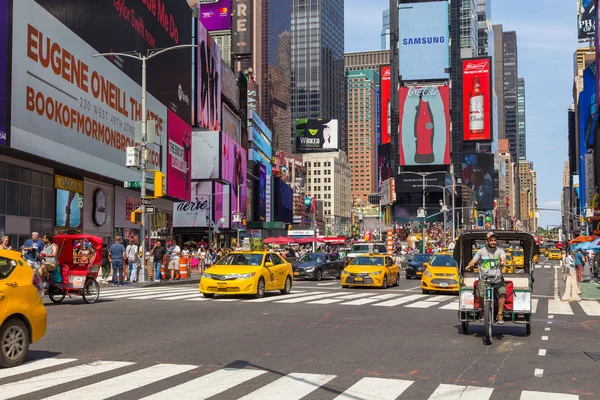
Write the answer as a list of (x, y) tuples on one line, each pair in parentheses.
[(547, 39)]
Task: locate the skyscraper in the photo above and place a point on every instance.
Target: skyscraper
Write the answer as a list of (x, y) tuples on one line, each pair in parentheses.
[(318, 61), (511, 73), (385, 29), (499, 76), (521, 127)]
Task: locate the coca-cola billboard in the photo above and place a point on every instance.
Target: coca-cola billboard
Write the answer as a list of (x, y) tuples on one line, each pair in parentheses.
[(477, 99), (384, 149), (424, 125)]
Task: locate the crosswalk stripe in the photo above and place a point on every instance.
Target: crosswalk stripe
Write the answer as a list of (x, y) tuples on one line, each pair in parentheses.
[(559, 307), (125, 383), (360, 302), (534, 305), (307, 298), (163, 294), (547, 266), (456, 392), (396, 302), (287, 296), (451, 306), (344, 298), (375, 389), (538, 266), (120, 290), (130, 295), (422, 304), (208, 385), (441, 298), (530, 395), (290, 387), (184, 296), (591, 307), (52, 379), (33, 366)]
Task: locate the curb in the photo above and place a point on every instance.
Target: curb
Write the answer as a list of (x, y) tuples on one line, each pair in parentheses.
[(173, 283)]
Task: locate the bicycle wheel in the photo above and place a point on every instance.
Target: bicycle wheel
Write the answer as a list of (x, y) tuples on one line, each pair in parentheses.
[(488, 320)]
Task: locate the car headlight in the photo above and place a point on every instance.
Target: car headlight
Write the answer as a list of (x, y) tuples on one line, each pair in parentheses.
[(208, 276), (345, 272), (427, 273), (309, 269), (376, 273), (243, 276)]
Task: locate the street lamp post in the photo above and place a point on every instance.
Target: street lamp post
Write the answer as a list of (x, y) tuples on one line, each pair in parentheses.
[(237, 217), (143, 147)]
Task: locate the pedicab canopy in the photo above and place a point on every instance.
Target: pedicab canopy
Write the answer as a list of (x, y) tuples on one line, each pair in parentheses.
[(470, 241), (66, 243)]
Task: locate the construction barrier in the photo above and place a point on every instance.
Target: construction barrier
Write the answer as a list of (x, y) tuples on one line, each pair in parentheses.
[(390, 242), (183, 268)]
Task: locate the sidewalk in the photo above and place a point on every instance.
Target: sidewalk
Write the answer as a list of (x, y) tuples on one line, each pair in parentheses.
[(589, 290), (193, 279)]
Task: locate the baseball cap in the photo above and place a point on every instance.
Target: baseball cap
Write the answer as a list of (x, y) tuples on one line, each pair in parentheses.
[(490, 234)]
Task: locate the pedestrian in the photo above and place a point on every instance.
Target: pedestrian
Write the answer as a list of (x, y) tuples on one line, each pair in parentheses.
[(571, 289), (116, 256), (105, 264), (4, 244), (174, 252), (158, 253), (579, 260), (33, 248), (133, 259), (49, 256)]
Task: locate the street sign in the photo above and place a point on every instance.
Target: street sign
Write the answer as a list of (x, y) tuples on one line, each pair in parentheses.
[(132, 157), (133, 185), (146, 202), (150, 209)]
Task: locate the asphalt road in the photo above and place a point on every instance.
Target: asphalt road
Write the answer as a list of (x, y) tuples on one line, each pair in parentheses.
[(135, 343)]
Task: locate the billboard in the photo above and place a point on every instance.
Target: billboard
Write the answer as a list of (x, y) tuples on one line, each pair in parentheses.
[(4, 72), (477, 98), (179, 173), (209, 82), (209, 201), (586, 19), (233, 170), (478, 176), (69, 204), (597, 46), (241, 28), (424, 125), (77, 110), (586, 105), (216, 16), (315, 135), (134, 26), (424, 52), (384, 153), (206, 162), (413, 182), (262, 192)]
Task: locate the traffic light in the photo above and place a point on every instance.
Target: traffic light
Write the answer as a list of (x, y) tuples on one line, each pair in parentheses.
[(159, 184), (136, 217), (488, 217), (243, 221)]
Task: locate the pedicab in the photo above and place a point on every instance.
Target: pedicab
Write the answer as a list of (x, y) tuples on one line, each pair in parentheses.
[(518, 280), (78, 269)]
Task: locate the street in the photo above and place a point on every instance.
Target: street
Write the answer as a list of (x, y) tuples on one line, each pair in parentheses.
[(320, 342)]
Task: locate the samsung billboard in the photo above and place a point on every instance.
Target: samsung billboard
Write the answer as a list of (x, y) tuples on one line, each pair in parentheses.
[(424, 41)]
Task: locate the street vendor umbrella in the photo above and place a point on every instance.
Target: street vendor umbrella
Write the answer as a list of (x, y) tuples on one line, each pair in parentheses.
[(307, 240), (582, 239), (583, 246), (280, 240), (190, 243)]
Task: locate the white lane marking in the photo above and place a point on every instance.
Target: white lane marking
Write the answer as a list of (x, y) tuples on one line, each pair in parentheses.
[(337, 299), (325, 301), (184, 297), (307, 298), (164, 294), (549, 322), (452, 306), (534, 305), (355, 296), (290, 387), (559, 307), (591, 308), (208, 385), (422, 304), (375, 389), (34, 366), (199, 299), (395, 302), (556, 285), (547, 329), (287, 296), (117, 291), (53, 379), (457, 392), (538, 373), (530, 395), (326, 284), (226, 299), (544, 337), (542, 352), (125, 383), (360, 302), (538, 266), (440, 298), (550, 316), (148, 293), (547, 266)]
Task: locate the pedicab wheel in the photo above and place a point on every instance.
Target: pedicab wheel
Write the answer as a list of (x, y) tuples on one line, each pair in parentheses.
[(91, 291), (55, 296), (487, 324), (465, 327), (14, 343), (208, 295)]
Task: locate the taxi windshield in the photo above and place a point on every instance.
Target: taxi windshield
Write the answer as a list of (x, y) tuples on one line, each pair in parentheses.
[(442, 261), (312, 257), (517, 254), (372, 261), (241, 259), (555, 251)]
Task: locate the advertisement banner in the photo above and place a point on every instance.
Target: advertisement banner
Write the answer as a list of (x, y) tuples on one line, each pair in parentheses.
[(241, 28), (388, 195), (384, 151), (208, 81), (179, 173), (260, 142), (478, 176), (222, 205), (477, 98), (78, 110), (408, 183), (194, 213), (424, 52), (586, 105), (424, 125), (315, 135), (216, 16), (262, 192), (4, 71), (133, 26), (206, 160), (234, 161), (597, 46), (69, 204), (586, 18), (407, 213)]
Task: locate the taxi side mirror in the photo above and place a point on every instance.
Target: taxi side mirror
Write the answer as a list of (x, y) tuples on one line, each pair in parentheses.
[(268, 264)]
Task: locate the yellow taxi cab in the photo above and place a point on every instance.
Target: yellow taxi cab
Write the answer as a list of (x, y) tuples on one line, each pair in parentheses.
[(542, 250), (247, 272), (518, 258), (441, 274), (22, 312), (554, 254), (371, 270), (509, 268)]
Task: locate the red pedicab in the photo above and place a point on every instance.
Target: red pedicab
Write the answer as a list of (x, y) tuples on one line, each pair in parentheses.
[(79, 271)]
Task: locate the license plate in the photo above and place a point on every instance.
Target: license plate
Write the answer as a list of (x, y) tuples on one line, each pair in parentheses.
[(358, 279), (419, 273), (444, 284), (296, 273), (78, 281), (221, 285)]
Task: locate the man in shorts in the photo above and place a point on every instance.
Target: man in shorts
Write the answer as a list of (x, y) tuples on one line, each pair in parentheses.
[(174, 252), (491, 259)]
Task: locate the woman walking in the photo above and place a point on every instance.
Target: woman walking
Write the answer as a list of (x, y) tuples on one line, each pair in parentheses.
[(571, 289)]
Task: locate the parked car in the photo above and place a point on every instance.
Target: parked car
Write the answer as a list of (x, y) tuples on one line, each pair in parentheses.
[(318, 265)]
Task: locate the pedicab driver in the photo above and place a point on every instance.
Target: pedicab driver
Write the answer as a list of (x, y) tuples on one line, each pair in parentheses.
[(491, 260)]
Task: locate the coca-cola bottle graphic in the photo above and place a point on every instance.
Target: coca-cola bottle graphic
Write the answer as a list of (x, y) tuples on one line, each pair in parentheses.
[(476, 115), (424, 131)]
